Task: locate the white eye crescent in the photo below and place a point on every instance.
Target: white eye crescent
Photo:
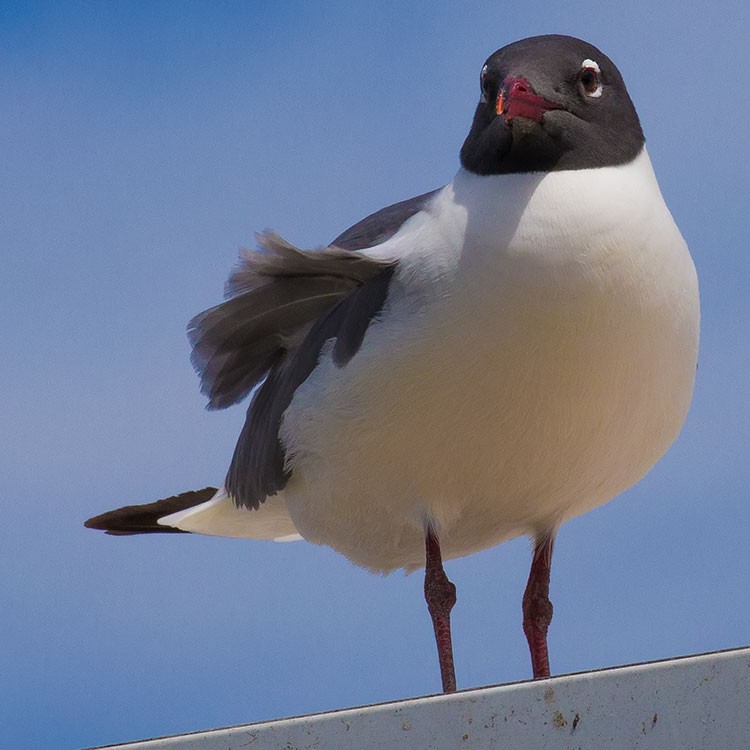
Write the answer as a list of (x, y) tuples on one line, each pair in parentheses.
[(483, 83), (591, 78)]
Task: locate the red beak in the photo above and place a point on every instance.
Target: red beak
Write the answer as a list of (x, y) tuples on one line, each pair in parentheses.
[(517, 99)]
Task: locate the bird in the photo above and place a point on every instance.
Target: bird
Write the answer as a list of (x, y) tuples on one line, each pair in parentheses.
[(484, 361)]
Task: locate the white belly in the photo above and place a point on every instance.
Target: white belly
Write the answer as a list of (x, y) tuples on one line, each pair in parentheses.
[(527, 385)]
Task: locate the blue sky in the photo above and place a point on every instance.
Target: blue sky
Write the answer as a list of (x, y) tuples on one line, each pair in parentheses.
[(143, 144)]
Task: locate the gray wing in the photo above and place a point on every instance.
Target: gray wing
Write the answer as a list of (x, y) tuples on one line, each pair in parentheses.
[(383, 224), (273, 297), (284, 305)]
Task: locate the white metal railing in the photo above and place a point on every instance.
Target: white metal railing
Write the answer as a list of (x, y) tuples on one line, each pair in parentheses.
[(690, 703)]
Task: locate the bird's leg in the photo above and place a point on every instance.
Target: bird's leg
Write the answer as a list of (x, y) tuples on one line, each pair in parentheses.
[(537, 608), (440, 594)]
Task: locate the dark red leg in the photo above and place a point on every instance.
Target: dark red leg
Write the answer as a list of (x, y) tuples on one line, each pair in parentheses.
[(440, 594), (537, 608)]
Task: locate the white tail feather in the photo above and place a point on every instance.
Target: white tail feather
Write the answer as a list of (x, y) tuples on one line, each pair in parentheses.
[(220, 517)]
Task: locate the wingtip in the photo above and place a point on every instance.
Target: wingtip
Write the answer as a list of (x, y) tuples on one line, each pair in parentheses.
[(144, 519), (96, 522)]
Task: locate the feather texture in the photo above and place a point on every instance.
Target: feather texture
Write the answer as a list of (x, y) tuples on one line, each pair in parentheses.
[(274, 295), (283, 305)]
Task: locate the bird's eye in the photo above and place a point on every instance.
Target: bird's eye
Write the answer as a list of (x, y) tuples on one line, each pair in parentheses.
[(591, 79), (484, 83)]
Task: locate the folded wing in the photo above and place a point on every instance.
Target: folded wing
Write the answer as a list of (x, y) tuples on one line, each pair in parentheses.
[(284, 305)]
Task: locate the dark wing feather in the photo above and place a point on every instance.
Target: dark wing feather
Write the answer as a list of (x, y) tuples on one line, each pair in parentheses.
[(143, 519), (284, 305), (278, 259), (275, 295), (257, 469), (235, 343)]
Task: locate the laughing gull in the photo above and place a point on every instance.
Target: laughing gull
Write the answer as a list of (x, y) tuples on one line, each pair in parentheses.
[(483, 361)]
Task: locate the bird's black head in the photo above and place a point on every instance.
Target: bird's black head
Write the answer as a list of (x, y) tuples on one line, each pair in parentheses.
[(551, 103)]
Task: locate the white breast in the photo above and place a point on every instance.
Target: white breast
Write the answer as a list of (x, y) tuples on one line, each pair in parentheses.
[(535, 358)]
